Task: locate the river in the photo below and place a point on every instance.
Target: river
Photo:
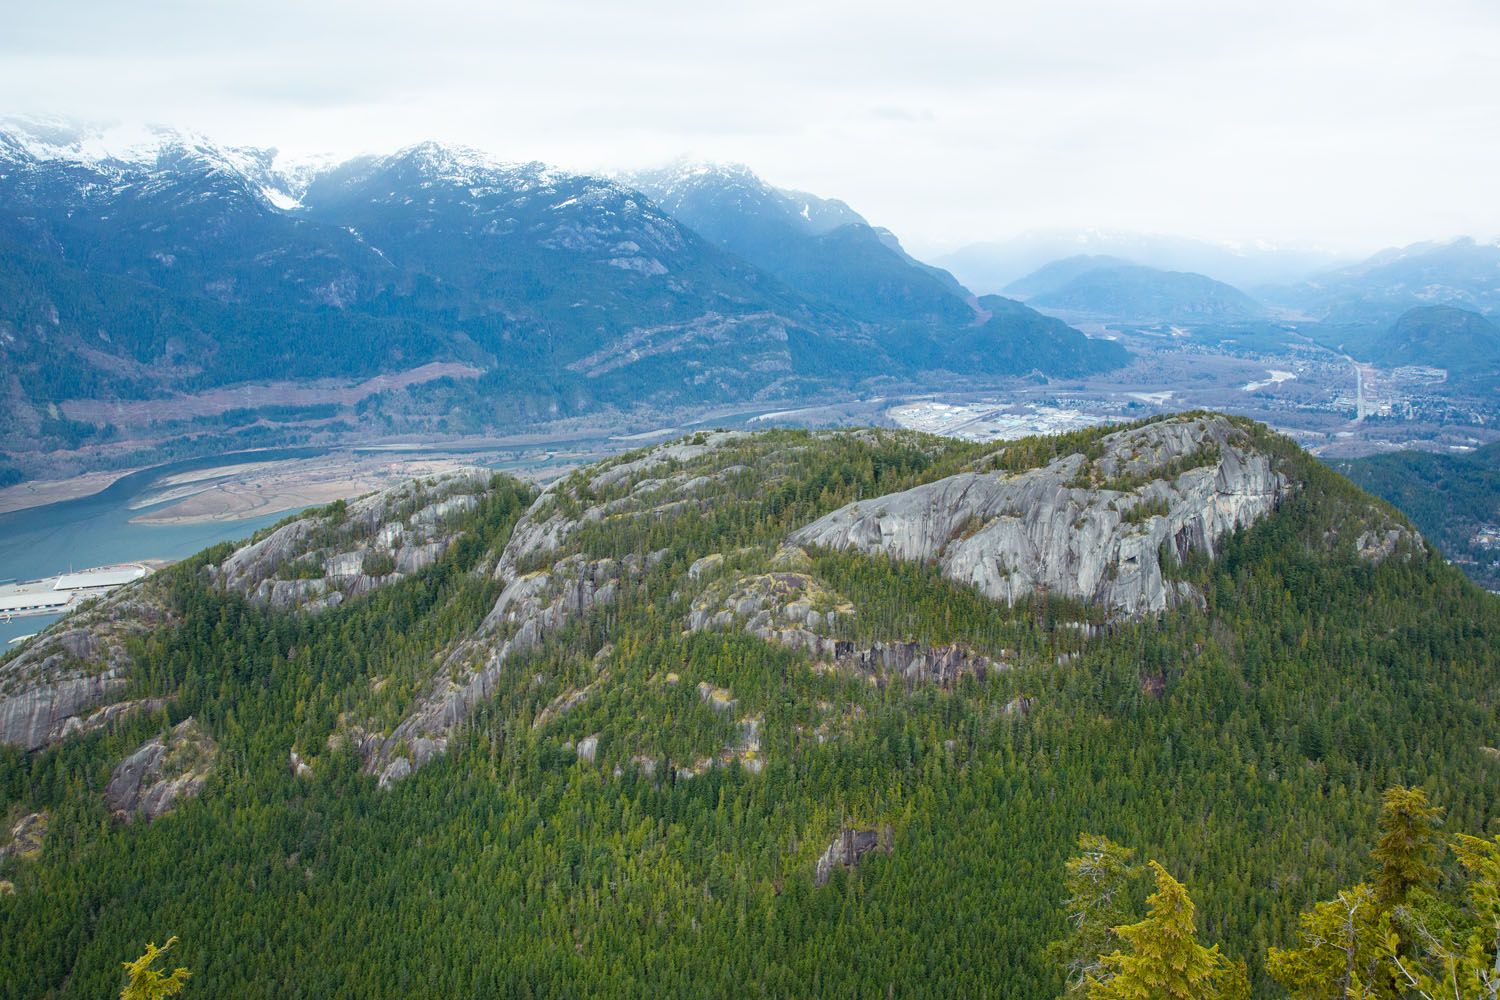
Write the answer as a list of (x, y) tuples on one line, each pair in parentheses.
[(96, 530)]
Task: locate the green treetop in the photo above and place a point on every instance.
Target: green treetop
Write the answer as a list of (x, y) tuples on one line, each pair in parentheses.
[(1407, 846), (1098, 881), (1164, 960), (143, 982)]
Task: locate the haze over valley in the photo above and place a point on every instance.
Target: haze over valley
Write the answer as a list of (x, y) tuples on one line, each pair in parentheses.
[(790, 500)]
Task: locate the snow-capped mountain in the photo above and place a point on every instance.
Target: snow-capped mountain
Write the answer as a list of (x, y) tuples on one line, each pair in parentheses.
[(120, 155), (157, 263), (821, 247)]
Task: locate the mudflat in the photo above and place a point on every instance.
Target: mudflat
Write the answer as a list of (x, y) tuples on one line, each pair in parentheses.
[(42, 492), (232, 493)]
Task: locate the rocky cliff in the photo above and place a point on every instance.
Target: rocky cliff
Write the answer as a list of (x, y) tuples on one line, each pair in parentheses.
[(848, 848), (321, 559), (545, 587), (791, 607), (165, 769), (721, 532), (70, 679), (1095, 528)]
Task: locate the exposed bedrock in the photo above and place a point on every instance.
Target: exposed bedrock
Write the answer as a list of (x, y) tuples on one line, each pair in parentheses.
[(152, 780), (70, 678), (319, 561), (1091, 530)]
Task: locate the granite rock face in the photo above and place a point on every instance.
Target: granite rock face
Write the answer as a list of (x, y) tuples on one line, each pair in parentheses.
[(546, 528), (1089, 529), (68, 678), (792, 608), (526, 612), (545, 587), (318, 561), (848, 848), (151, 781), (26, 837)]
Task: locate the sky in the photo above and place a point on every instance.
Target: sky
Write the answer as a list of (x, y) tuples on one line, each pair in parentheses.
[(1345, 125)]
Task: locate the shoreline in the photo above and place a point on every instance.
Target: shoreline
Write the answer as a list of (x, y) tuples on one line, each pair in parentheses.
[(44, 492), (228, 494)]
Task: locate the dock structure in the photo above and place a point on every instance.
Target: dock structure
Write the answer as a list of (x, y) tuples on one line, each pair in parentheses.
[(58, 594)]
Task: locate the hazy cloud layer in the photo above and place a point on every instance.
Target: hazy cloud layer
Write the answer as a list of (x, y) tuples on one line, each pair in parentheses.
[(1352, 124)]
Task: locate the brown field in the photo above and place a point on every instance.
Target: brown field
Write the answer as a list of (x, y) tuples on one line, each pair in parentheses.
[(143, 412)]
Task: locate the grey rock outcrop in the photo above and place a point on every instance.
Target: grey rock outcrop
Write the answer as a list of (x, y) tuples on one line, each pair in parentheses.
[(26, 837), (544, 590), (794, 609), (613, 491), (526, 612), (848, 848), (316, 562), (151, 781), (615, 473), (61, 680), (1079, 528)]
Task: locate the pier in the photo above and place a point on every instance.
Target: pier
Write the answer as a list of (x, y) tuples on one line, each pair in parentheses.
[(62, 593)]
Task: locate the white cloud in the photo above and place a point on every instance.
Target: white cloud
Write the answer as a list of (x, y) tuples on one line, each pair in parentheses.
[(1352, 124)]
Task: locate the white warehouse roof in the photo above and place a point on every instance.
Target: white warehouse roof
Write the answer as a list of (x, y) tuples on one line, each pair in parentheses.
[(114, 576), (33, 601)]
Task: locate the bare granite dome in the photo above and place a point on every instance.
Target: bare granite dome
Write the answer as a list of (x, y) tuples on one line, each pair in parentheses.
[(1090, 529)]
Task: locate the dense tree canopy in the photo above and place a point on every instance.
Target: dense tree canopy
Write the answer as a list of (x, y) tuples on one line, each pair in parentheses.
[(1245, 743)]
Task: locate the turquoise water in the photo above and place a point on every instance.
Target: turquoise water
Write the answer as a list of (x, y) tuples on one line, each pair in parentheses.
[(18, 627), (96, 530)]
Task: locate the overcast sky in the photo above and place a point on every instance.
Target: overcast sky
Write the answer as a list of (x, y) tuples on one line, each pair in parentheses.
[(1351, 125)]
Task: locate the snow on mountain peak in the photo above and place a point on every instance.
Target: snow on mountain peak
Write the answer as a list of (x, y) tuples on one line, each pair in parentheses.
[(134, 149)]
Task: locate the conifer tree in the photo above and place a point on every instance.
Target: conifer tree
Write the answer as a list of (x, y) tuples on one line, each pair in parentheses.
[(1165, 960), (1098, 880), (1408, 844), (1441, 954), (143, 982), (1341, 949)]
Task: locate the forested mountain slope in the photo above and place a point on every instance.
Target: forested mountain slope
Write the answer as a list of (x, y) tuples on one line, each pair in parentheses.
[(1463, 343), (729, 716), (1135, 292), (175, 267), (1454, 499)]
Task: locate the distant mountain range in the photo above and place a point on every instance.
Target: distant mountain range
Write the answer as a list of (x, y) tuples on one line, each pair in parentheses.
[(1464, 273), (992, 266), (1465, 343), (1355, 304), (171, 265), (1050, 277), (1118, 289), (820, 247)]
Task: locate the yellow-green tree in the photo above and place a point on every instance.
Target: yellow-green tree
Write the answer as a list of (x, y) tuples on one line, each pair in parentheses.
[(1341, 952), (1098, 882), (144, 982), (1441, 955), (1164, 960), (1408, 845)]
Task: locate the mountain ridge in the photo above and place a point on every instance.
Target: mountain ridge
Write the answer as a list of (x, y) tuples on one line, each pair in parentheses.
[(180, 266), (1136, 292), (641, 689)]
